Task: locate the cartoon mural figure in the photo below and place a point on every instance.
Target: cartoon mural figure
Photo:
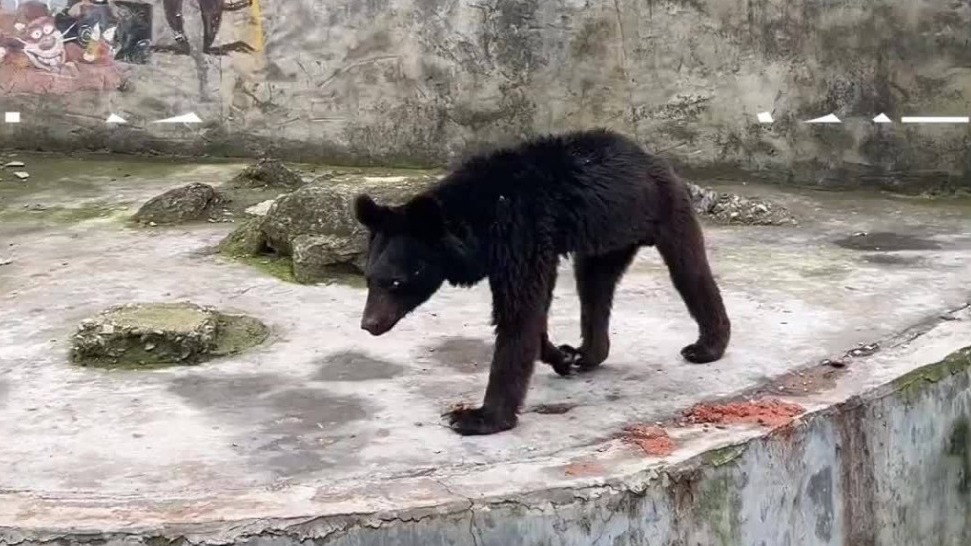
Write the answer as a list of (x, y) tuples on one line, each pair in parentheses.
[(63, 46), (212, 15), (126, 26), (99, 48), (45, 47), (41, 52)]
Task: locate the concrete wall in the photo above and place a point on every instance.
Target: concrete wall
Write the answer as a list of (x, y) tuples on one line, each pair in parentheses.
[(888, 468), (421, 81)]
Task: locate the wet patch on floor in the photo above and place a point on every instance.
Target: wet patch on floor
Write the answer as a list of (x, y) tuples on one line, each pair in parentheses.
[(463, 354), (552, 409), (224, 391), (355, 366), (292, 456), (289, 431), (304, 410), (311, 432), (291, 411), (885, 241), (892, 259), (826, 271)]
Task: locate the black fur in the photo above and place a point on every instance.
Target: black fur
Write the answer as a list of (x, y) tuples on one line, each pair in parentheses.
[(509, 216)]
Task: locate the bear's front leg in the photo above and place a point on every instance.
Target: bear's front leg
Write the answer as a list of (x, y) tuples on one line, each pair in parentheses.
[(512, 366), (520, 318)]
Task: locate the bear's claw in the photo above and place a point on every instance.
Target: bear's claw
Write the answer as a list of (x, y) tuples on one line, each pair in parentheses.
[(697, 353), (478, 421)]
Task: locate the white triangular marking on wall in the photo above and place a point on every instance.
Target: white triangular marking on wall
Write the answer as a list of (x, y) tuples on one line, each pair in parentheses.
[(765, 117), (882, 118), (115, 118), (191, 117), (831, 118)]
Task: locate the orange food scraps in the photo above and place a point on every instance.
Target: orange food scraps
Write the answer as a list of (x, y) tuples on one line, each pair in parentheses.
[(652, 439), (771, 413)]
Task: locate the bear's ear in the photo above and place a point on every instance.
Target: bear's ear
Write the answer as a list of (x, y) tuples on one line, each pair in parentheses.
[(424, 217), (370, 214)]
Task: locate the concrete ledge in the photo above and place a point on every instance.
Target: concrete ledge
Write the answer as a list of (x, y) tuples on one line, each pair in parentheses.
[(883, 456)]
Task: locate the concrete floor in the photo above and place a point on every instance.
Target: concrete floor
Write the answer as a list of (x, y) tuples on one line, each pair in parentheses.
[(326, 419)]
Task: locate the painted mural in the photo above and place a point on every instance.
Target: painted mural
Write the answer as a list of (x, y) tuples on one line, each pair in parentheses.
[(65, 46)]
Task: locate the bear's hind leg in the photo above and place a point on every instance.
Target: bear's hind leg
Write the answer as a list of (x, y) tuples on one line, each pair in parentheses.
[(682, 246), (549, 353), (597, 278)]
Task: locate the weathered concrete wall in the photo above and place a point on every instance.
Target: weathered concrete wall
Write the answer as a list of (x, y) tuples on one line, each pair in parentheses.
[(421, 81), (890, 468)]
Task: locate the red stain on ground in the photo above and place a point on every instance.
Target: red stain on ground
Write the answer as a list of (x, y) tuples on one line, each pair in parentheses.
[(578, 469), (769, 413), (653, 440)]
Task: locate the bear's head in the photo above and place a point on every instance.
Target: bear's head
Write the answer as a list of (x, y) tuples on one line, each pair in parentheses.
[(407, 258)]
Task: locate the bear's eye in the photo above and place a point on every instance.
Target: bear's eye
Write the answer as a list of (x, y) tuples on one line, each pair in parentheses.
[(394, 284)]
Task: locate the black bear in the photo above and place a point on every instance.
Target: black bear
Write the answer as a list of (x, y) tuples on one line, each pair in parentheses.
[(509, 216)]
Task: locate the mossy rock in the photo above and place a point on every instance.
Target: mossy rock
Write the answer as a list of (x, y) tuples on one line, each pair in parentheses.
[(188, 203), (313, 229), (327, 209), (317, 258), (155, 335), (267, 173), (246, 240)]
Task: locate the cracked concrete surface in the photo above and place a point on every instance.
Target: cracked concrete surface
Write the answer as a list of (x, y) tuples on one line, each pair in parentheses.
[(327, 432)]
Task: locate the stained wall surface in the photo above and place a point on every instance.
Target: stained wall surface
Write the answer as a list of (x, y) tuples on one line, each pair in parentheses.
[(422, 82)]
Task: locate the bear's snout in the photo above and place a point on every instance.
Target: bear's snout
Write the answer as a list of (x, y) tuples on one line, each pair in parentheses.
[(381, 313), (374, 325)]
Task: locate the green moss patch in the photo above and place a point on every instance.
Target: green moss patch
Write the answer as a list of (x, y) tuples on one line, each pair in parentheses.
[(60, 215), (911, 383), (275, 266)]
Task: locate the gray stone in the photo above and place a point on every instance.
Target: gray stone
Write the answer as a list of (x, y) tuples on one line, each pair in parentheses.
[(267, 173), (192, 202), (319, 257), (314, 225), (261, 208), (326, 209), (246, 240), (729, 208)]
